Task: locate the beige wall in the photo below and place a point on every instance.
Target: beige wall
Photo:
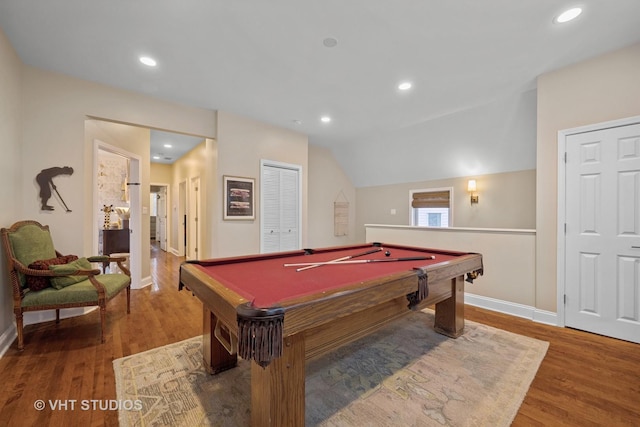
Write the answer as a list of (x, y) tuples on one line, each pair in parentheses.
[(506, 255), (506, 200), (10, 164), (601, 89), (55, 108), (161, 173), (242, 144), (328, 184)]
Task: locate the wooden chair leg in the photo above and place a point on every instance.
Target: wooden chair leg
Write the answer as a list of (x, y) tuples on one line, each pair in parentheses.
[(57, 315), (20, 328), (103, 318), (128, 299)]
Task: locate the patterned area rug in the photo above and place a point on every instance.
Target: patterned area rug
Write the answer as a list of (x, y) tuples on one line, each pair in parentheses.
[(404, 374)]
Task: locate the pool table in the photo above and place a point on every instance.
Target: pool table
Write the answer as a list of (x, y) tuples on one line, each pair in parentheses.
[(278, 315)]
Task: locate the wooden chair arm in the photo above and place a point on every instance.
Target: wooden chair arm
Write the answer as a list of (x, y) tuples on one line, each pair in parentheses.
[(50, 273), (109, 259), (79, 272)]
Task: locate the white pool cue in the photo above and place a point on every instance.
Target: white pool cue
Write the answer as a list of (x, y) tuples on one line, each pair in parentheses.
[(344, 258), (363, 261)]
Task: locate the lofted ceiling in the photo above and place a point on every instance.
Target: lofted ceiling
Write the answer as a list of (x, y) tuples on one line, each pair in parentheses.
[(291, 62)]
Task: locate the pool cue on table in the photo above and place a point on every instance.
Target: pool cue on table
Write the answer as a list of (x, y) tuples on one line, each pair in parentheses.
[(363, 261), (344, 258)]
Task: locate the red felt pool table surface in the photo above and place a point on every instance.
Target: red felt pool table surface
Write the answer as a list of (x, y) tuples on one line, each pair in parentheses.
[(265, 281)]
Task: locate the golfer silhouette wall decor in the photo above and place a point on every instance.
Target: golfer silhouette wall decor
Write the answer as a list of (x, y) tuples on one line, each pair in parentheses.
[(45, 181)]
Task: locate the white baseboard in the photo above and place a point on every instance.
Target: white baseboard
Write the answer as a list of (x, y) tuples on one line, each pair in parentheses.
[(33, 317), (144, 282), (176, 252), (513, 309), (7, 338)]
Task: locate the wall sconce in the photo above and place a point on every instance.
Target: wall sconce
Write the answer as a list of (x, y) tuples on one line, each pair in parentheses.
[(472, 188)]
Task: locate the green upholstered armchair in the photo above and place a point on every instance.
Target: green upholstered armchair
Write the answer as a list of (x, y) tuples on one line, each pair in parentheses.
[(44, 279)]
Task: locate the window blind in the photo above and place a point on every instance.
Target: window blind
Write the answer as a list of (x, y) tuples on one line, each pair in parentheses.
[(430, 199)]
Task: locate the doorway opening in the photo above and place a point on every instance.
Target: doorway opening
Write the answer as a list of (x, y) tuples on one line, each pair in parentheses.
[(158, 211), (120, 186)]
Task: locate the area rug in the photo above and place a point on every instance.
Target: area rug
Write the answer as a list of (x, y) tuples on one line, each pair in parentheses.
[(404, 374)]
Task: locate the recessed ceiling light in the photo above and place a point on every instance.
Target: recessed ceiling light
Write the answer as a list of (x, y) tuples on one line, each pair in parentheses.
[(156, 157), (330, 42), (325, 119), (148, 61), (568, 15), (167, 145), (404, 86)]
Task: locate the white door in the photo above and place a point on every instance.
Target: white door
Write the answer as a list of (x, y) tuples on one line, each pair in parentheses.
[(280, 207), (161, 226), (602, 240)]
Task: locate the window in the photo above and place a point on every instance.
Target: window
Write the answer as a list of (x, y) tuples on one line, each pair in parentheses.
[(431, 208)]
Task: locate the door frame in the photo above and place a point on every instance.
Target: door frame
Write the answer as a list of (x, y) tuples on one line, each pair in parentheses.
[(561, 210), (194, 218), (181, 247)]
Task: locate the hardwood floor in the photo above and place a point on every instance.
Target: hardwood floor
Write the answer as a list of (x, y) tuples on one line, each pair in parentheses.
[(584, 380)]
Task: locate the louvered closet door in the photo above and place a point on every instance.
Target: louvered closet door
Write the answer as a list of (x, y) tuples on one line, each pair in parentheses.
[(280, 209), (602, 239)]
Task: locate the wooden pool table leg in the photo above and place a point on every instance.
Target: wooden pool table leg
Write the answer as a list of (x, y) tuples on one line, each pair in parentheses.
[(277, 391), (450, 312), (216, 357)]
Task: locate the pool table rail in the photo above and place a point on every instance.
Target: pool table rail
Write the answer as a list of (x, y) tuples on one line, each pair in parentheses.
[(260, 330)]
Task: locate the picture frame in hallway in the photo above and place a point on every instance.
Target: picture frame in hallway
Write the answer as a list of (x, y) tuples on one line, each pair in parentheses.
[(239, 198)]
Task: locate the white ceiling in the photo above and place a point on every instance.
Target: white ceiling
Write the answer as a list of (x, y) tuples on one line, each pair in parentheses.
[(167, 147), (266, 59)]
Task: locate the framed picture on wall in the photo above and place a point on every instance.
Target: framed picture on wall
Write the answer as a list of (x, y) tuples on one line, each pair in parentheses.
[(239, 198)]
